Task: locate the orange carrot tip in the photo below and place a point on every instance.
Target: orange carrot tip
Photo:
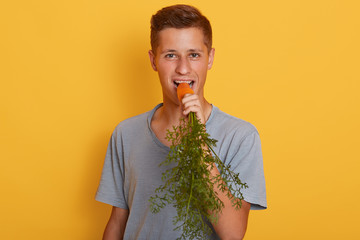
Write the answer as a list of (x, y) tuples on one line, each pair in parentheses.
[(183, 89)]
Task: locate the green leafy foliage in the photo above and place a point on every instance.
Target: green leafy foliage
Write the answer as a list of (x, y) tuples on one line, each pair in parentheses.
[(189, 186)]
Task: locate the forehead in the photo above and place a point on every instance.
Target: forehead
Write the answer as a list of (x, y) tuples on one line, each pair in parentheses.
[(181, 39)]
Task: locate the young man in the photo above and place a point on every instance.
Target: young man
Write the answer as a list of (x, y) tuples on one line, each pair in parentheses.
[(181, 41)]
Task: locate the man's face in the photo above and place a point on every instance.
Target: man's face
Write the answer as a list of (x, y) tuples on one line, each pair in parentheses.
[(181, 56)]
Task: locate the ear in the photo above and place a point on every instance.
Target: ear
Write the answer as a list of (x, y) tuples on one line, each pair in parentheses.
[(211, 58), (152, 60)]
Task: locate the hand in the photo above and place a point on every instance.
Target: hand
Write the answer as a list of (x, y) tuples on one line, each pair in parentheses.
[(191, 103)]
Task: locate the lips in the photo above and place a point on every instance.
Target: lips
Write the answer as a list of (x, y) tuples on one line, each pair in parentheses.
[(177, 82)]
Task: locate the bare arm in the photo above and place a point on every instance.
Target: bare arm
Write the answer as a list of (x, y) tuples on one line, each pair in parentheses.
[(231, 223), (115, 227)]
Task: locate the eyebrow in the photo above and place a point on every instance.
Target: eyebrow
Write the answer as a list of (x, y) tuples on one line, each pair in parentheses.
[(173, 50), (168, 50), (195, 50)]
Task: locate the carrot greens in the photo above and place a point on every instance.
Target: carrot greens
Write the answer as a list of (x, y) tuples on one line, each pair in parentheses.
[(189, 186)]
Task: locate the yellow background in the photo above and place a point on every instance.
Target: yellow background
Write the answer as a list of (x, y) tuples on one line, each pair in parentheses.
[(70, 71)]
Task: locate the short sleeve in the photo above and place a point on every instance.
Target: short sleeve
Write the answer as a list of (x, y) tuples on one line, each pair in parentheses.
[(111, 187), (247, 160)]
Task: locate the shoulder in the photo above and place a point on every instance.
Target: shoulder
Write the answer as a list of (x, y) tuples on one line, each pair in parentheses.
[(132, 121), (136, 124), (225, 124), (132, 126)]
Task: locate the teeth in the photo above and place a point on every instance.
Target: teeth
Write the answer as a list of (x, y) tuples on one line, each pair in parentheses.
[(177, 82)]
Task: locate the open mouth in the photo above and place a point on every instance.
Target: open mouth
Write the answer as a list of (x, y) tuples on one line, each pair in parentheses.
[(177, 82)]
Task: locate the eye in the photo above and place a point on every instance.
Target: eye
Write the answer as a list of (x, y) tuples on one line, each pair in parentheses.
[(194, 55), (170, 55)]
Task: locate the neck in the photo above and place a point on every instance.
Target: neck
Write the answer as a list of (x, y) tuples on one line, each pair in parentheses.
[(170, 113), (168, 116)]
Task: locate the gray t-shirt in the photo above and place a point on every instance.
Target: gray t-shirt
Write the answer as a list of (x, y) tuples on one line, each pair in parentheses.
[(131, 171)]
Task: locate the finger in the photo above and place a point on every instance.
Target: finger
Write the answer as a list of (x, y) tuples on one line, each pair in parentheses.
[(195, 109), (189, 97), (192, 105), (198, 112), (190, 101)]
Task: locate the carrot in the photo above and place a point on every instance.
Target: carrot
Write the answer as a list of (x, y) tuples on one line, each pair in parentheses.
[(183, 89)]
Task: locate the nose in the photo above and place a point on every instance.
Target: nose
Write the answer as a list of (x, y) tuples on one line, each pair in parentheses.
[(183, 67)]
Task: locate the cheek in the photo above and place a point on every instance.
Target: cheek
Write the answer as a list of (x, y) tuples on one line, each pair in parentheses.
[(164, 72), (201, 68), (164, 67)]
